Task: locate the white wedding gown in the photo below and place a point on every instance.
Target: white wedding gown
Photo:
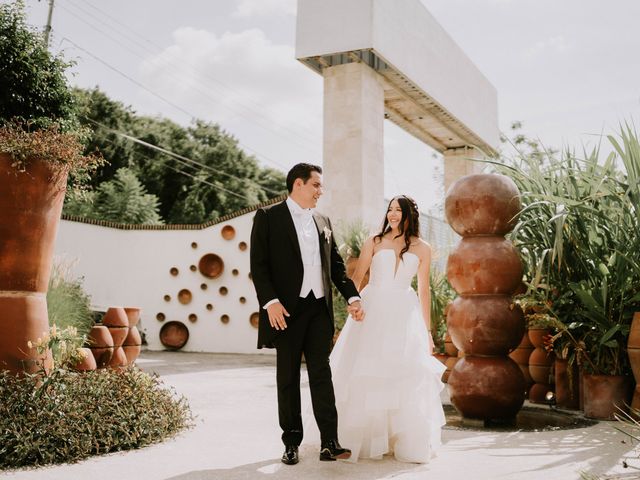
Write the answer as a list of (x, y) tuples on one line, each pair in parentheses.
[(387, 383)]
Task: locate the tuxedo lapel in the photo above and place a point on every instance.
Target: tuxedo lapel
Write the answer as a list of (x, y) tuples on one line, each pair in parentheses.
[(287, 220), (324, 245)]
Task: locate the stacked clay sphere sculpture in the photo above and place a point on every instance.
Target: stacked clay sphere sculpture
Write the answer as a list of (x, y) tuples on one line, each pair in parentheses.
[(485, 270)]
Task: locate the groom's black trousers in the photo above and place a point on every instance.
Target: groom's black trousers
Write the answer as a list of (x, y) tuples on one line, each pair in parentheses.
[(309, 331)]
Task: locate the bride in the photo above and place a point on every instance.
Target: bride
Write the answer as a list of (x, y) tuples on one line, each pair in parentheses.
[(387, 383)]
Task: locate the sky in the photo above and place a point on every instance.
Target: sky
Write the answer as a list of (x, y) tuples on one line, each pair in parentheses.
[(567, 69)]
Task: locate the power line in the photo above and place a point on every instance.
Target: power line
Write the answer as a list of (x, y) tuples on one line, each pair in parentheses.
[(169, 102), (255, 115), (178, 157)]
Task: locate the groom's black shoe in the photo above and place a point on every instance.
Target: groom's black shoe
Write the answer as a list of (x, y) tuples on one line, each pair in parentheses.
[(290, 455), (331, 451)]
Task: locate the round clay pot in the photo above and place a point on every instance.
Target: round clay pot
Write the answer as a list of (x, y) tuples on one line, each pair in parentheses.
[(118, 334), (115, 317), (540, 362), (132, 345), (484, 265), (449, 347), (119, 358), (489, 388), (538, 392), (633, 350), (228, 232), (133, 315), (254, 319), (482, 204), (485, 324), (174, 335), (185, 296), (211, 265), (86, 364), (536, 336), (101, 344), (604, 394)]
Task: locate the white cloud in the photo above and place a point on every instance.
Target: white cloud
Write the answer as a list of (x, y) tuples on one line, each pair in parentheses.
[(251, 8), (556, 44), (254, 88)]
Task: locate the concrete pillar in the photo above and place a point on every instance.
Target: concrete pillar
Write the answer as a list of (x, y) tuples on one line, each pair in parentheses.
[(353, 155), (459, 162)]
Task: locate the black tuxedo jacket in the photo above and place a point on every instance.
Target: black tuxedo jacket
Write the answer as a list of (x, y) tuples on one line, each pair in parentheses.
[(276, 264)]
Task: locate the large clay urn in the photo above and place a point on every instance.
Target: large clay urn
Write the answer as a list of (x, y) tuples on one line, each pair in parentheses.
[(484, 323), (30, 207), (633, 349)]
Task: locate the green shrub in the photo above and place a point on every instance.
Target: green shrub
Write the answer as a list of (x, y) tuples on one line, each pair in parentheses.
[(71, 416), (67, 302)]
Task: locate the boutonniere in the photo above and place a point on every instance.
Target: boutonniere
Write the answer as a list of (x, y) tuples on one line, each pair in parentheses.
[(327, 234)]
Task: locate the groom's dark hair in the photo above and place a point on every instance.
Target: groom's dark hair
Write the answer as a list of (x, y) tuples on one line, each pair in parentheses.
[(303, 171)]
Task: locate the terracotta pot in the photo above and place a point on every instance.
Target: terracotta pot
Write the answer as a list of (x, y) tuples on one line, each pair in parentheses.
[(540, 363), (449, 362), (119, 358), (538, 392), (174, 335), (133, 315), (485, 324), (482, 204), (115, 317), (633, 350), (536, 336), (603, 394), (30, 202), (567, 389), (88, 363), (101, 345), (211, 265), (441, 357), (487, 387), (449, 347), (132, 345), (484, 265), (118, 334)]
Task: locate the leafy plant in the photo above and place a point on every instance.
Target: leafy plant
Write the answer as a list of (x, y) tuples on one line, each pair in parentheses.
[(578, 233), (33, 86), (67, 303), (123, 199), (441, 295), (350, 238), (76, 415)]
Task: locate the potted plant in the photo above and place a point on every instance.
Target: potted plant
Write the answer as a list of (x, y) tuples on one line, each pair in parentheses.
[(579, 236), (351, 237), (40, 145)]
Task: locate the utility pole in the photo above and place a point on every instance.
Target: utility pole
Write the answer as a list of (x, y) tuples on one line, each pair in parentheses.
[(47, 28)]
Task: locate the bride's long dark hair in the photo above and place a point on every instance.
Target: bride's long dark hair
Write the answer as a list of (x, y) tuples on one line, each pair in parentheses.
[(409, 224)]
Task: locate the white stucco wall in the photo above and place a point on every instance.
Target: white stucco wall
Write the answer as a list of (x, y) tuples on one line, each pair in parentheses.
[(132, 268)]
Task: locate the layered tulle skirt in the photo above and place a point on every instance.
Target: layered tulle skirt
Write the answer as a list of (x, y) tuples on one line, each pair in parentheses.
[(386, 381)]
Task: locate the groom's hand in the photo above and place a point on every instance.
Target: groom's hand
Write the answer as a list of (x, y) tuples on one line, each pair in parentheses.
[(356, 311), (277, 312)]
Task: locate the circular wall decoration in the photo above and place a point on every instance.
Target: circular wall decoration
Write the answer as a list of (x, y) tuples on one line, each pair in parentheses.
[(224, 318), (228, 232), (193, 268), (167, 298), (174, 335), (243, 300), (242, 246), (209, 306), (223, 290), (193, 317), (211, 265), (204, 286), (174, 271), (185, 296), (194, 245), (160, 317), (254, 319), (235, 272)]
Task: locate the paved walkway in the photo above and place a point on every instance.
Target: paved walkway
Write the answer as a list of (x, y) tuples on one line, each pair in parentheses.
[(237, 437)]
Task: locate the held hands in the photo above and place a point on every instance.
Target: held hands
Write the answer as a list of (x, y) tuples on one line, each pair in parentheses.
[(277, 312), (356, 311)]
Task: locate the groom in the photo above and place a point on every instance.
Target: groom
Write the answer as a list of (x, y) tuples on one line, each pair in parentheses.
[(294, 259)]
